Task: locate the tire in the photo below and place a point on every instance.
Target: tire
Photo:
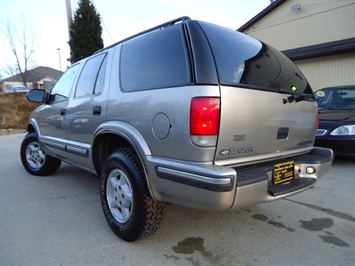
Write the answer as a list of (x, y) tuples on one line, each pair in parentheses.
[(34, 159), (128, 208)]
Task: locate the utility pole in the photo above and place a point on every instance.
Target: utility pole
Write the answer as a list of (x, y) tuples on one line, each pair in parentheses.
[(69, 19)]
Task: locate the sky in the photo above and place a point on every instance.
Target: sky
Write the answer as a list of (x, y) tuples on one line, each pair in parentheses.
[(47, 20)]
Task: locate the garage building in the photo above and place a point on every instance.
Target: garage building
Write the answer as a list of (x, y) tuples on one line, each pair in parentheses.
[(318, 35)]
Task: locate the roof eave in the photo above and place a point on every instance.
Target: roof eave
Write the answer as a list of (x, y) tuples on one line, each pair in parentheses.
[(323, 49), (262, 14)]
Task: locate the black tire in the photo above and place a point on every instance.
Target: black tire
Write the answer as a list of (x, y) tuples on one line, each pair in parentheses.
[(128, 208), (34, 159)]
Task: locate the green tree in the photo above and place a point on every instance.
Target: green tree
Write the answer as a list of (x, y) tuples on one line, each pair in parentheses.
[(85, 32)]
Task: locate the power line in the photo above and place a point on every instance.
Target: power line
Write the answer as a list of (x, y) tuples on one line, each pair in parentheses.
[(103, 23)]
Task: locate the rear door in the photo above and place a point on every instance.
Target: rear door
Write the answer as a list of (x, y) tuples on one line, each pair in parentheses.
[(86, 109), (257, 123)]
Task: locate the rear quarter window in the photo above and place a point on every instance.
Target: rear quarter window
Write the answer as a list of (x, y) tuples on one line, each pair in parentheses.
[(156, 60)]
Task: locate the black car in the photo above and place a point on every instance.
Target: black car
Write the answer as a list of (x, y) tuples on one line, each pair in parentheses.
[(336, 130)]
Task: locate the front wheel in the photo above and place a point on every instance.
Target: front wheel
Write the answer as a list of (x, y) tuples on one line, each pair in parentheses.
[(128, 208), (34, 159)]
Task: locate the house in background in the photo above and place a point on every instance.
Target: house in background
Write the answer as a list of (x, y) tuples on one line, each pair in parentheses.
[(318, 35), (37, 78)]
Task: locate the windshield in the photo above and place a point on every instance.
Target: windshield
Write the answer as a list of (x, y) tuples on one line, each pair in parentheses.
[(336, 98)]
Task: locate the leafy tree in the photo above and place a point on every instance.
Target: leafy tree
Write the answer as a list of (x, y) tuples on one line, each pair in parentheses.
[(85, 32)]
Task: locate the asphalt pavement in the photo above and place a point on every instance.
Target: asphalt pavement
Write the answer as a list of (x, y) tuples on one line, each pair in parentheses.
[(57, 220)]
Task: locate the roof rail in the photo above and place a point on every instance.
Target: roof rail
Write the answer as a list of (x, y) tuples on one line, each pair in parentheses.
[(159, 27)]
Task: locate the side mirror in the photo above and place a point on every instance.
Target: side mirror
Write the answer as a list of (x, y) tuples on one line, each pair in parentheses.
[(37, 96)]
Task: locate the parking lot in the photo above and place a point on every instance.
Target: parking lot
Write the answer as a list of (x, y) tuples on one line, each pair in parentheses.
[(57, 220)]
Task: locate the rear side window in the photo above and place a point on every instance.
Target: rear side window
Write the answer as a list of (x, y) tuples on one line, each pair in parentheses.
[(243, 60), (91, 80), (156, 60)]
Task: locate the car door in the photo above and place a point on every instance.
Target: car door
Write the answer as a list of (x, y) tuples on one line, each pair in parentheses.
[(86, 109), (51, 116)]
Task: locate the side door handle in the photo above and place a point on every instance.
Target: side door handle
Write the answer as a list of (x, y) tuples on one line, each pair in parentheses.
[(62, 112), (96, 110)]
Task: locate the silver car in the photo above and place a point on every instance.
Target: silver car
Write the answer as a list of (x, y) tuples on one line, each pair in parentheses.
[(188, 113)]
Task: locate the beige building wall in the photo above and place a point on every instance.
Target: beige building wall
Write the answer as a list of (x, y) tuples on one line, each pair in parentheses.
[(315, 22), (335, 70), (312, 22)]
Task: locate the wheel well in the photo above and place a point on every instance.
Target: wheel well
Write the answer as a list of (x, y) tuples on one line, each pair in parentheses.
[(104, 145), (30, 128)]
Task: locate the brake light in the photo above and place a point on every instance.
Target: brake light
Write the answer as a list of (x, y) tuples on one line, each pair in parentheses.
[(204, 120)]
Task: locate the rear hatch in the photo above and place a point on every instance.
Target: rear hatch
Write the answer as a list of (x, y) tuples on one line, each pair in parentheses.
[(267, 106)]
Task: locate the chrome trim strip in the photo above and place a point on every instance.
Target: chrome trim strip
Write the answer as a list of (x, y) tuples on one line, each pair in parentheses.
[(321, 132), (77, 150), (263, 158), (194, 177), (53, 144)]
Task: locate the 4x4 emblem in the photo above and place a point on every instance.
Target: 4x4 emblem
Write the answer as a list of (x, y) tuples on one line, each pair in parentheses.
[(238, 138)]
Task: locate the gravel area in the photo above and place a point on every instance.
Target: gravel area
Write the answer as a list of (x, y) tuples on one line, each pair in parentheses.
[(11, 131)]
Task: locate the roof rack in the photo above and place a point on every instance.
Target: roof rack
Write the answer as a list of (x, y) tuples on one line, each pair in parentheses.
[(159, 27)]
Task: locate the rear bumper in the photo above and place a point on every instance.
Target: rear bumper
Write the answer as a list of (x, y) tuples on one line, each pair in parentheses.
[(263, 191), (212, 187)]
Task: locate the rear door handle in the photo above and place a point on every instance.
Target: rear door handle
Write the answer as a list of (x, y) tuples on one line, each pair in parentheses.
[(96, 110)]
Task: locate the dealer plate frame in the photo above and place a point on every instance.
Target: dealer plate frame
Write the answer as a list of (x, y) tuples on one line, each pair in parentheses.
[(283, 173)]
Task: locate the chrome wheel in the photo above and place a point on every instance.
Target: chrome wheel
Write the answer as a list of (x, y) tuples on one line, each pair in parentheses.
[(119, 195), (35, 156)]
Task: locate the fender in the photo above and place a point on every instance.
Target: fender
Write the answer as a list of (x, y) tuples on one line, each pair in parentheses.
[(135, 139), (128, 132)]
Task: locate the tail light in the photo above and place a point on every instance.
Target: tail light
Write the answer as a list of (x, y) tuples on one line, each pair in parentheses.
[(204, 121)]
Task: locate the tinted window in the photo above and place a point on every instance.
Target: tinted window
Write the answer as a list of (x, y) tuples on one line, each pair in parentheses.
[(63, 87), (155, 60), (241, 59), (100, 82), (89, 76)]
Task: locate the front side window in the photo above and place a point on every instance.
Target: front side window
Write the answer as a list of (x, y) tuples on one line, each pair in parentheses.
[(62, 88), (90, 76), (156, 60)]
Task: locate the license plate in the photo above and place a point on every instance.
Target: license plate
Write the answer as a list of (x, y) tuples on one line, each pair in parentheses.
[(283, 172)]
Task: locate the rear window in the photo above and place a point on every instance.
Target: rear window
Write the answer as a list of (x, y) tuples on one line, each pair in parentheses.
[(156, 60), (243, 60)]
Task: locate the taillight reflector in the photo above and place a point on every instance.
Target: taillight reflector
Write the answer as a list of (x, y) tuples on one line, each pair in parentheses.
[(204, 116)]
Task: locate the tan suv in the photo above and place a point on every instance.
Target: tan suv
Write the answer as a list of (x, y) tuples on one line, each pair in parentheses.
[(188, 113)]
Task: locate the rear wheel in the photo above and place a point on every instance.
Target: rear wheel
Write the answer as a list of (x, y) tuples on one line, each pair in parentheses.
[(34, 159), (129, 210)]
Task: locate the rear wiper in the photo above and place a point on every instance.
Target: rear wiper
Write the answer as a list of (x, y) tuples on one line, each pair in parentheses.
[(298, 97)]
